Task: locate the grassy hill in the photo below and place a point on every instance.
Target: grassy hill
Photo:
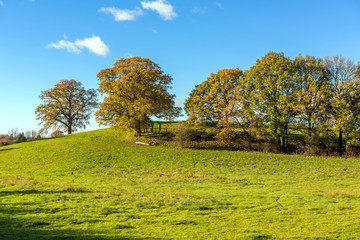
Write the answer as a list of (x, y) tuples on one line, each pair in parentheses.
[(97, 185)]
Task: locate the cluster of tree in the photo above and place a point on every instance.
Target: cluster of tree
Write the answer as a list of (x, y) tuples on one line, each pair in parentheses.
[(320, 97), (14, 136), (135, 90)]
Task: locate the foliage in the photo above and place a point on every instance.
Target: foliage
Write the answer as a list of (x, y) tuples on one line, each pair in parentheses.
[(56, 133), (94, 185), (344, 95), (135, 90), (68, 105), (226, 134), (271, 84), (184, 132), (208, 100), (312, 96), (21, 138)]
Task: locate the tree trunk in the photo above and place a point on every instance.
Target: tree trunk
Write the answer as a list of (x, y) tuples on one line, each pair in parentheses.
[(284, 136), (341, 142), (137, 132), (69, 129)]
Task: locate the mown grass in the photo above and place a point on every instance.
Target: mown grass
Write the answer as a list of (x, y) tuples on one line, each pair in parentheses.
[(97, 185)]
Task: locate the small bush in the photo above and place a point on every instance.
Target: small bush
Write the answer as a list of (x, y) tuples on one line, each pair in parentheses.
[(226, 134), (184, 132), (56, 133)]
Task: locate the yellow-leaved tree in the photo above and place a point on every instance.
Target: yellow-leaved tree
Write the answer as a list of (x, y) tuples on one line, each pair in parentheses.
[(270, 86), (312, 97), (135, 90), (206, 103), (67, 106)]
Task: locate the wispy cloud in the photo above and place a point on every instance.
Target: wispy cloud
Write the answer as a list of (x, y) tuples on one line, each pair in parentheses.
[(128, 55), (198, 10), (123, 14), (179, 102), (94, 44), (2, 4), (219, 5), (68, 46), (162, 7)]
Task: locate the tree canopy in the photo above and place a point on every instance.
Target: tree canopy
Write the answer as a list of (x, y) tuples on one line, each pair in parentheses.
[(135, 90), (67, 106), (208, 100), (270, 84)]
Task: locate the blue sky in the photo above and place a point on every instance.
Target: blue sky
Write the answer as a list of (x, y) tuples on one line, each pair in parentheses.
[(44, 41)]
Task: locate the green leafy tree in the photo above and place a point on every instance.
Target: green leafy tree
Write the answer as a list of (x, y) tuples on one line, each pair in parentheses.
[(68, 106), (344, 96), (312, 97), (135, 90), (207, 102), (270, 85)]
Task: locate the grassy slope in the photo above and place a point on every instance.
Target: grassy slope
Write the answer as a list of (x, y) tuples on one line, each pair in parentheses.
[(94, 185)]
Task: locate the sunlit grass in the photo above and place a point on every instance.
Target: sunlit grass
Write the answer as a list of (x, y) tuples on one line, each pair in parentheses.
[(98, 185)]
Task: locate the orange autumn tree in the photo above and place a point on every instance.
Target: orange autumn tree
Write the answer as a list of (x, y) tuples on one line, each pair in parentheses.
[(135, 90), (67, 106)]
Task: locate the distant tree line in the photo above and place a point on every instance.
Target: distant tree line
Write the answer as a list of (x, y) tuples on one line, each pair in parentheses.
[(15, 136)]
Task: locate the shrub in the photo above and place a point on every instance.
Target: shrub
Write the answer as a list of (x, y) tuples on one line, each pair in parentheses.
[(56, 133), (21, 138), (226, 134), (184, 132)]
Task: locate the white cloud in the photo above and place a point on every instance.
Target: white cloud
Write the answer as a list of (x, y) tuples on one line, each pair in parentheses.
[(94, 44), (2, 3), (68, 46), (219, 5), (123, 14), (154, 31), (162, 7)]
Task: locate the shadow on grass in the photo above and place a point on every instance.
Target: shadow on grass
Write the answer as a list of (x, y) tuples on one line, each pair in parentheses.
[(33, 191), (18, 229), (17, 222), (8, 149)]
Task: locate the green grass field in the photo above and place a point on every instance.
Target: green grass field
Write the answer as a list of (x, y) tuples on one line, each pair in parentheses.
[(97, 185)]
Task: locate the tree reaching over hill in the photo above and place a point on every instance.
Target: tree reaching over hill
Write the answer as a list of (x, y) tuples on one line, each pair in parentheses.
[(208, 100), (135, 90), (68, 106)]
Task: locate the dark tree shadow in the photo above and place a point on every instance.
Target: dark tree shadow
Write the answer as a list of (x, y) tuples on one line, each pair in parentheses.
[(33, 191), (16, 229), (14, 226), (8, 149)]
